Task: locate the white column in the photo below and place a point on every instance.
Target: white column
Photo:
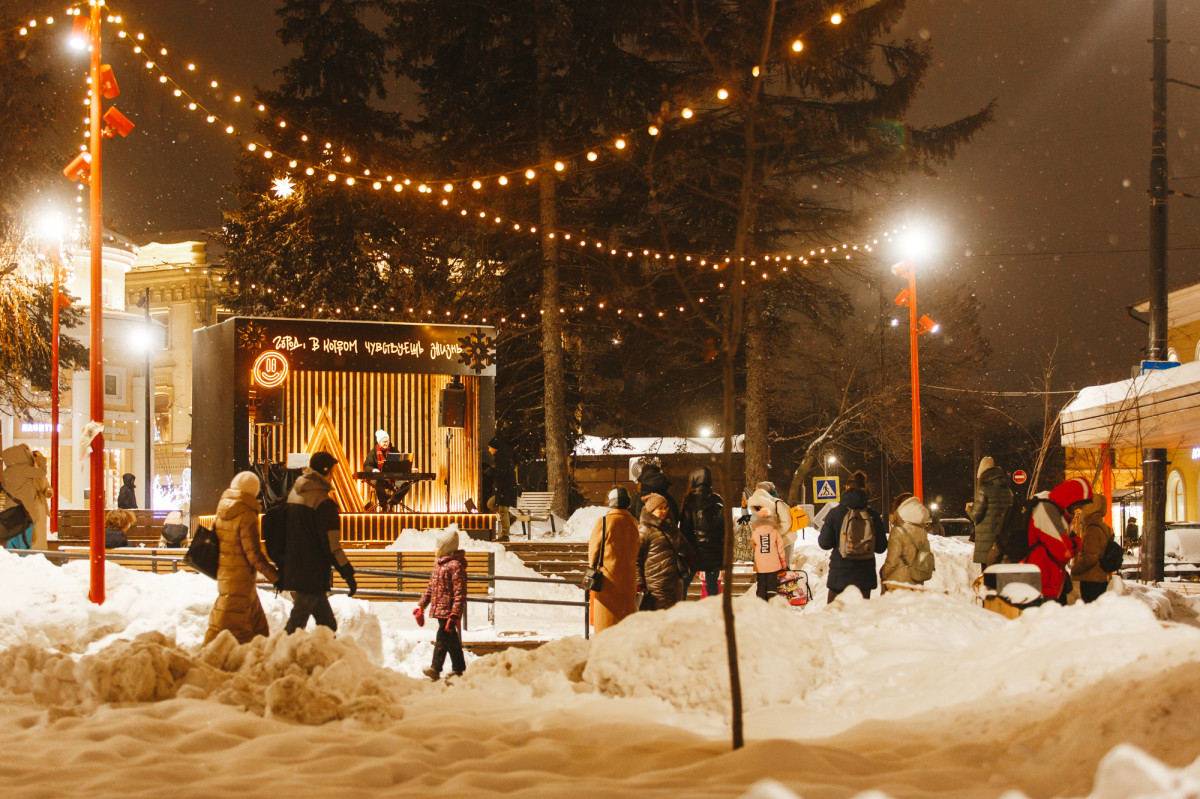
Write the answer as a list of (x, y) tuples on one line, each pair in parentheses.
[(81, 414)]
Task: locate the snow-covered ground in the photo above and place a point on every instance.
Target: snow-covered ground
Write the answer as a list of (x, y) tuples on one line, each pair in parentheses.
[(908, 695)]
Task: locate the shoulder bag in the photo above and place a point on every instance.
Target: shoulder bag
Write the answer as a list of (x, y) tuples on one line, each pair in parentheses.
[(204, 553), (593, 578)]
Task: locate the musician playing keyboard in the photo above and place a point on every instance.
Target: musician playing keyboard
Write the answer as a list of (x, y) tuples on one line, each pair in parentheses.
[(385, 490)]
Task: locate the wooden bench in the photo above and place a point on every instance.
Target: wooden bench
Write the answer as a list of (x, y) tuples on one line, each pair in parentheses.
[(479, 564), (534, 506), (73, 527)]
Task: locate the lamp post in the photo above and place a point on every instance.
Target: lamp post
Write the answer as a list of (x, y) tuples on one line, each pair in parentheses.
[(916, 326)]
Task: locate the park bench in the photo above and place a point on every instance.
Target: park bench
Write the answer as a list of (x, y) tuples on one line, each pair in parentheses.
[(73, 528), (480, 565), (533, 506)]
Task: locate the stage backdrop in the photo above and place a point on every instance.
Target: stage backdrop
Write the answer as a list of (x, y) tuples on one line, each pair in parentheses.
[(263, 388)]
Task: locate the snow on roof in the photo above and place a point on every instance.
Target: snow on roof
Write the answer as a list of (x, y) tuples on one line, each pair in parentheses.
[(1160, 408), (663, 445)]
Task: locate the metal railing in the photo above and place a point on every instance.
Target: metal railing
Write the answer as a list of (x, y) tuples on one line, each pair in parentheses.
[(176, 562)]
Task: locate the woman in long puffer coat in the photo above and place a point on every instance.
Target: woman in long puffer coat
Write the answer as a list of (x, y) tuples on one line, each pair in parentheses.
[(702, 524), (659, 555), (237, 608), (991, 501)]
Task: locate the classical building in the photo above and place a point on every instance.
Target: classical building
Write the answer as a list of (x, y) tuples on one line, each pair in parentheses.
[(175, 276)]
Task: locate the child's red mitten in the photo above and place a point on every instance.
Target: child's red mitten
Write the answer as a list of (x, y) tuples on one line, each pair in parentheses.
[(419, 615)]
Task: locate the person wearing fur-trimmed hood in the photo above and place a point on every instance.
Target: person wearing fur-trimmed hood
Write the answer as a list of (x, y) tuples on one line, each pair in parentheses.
[(1094, 537), (25, 481), (909, 538), (770, 518), (845, 572), (446, 598), (242, 559)]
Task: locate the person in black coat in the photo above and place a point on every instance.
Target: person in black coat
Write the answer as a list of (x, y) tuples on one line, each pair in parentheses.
[(385, 490), (314, 546), (651, 480), (844, 572), (504, 484), (127, 496), (702, 524)]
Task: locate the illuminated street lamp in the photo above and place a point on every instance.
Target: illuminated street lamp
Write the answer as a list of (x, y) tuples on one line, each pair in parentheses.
[(916, 245), (51, 229), (85, 168)]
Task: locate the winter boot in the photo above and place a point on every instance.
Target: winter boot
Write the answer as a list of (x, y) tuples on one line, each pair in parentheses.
[(432, 674)]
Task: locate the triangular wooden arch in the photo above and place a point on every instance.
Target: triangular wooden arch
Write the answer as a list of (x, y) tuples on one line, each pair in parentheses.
[(323, 437)]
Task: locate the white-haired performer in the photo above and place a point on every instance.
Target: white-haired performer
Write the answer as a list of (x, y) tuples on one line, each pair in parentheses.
[(385, 490)]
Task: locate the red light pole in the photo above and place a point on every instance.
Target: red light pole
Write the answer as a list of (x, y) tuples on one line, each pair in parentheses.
[(96, 365), (916, 326)]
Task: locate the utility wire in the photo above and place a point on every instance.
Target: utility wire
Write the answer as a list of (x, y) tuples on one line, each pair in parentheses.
[(999, 393)]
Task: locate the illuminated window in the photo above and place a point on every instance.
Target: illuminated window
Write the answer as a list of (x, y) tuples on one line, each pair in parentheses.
[(1176, 498)]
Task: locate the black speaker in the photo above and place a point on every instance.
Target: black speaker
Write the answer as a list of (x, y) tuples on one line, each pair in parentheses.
[(270, 408), (454, 405)]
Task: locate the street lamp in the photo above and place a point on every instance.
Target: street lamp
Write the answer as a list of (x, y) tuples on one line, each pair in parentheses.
[(917, 244), (51, 229)]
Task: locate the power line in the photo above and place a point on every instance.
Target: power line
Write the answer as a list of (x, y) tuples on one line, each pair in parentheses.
[(999, 393)]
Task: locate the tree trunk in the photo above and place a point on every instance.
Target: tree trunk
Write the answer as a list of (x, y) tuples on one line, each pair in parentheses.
[(555, 407), (757, 369)]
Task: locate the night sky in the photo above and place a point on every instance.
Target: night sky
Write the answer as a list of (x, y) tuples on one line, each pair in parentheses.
[(1045, 212)]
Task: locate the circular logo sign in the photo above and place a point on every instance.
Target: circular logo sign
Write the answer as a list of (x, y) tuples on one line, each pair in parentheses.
[(1019, 476), (270, 370)]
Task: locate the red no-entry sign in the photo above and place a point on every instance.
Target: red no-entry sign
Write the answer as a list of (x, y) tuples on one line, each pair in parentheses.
[(1019, 476)]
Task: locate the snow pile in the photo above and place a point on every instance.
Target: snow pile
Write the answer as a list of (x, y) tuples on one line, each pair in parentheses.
[(306, 678), (679, 655)]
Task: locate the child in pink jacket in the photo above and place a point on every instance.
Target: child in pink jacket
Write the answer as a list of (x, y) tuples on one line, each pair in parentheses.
[(770, 518), (446, 598)]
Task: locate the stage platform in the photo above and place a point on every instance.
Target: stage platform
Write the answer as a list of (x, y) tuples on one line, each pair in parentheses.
[(377, 530)]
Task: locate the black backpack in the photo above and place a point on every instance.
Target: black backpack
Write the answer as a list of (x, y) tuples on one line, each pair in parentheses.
[(274, 533), (1112, 557), (1012, 537)]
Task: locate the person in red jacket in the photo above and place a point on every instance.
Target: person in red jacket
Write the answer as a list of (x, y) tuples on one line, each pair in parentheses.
[(446, 597), (1052, 544)]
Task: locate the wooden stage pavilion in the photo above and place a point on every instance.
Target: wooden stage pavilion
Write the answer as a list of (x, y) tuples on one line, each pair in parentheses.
[(268, 388)]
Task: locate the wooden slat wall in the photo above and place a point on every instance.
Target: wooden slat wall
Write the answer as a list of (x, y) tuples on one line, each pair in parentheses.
[(407, 406)]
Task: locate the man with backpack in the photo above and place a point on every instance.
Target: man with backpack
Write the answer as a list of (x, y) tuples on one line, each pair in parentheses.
[(855, 533), (313, 546)]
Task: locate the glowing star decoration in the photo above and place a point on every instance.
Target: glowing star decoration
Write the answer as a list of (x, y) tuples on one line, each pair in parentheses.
[(283, 188)]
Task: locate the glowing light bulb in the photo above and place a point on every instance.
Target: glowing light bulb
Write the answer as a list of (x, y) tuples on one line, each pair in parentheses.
[(836, 19), (559, 166), (229, 128), (592, 156), (448, 187), (503, 181), (620, 144), (687, 113), (797, 46), (653, 130), (530, 174), (754, 72), (722, 94), (475, 184)]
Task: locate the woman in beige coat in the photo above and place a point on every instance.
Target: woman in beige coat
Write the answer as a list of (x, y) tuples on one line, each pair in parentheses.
[(25, 480), (617, 597), (909, 559), (237, 608)]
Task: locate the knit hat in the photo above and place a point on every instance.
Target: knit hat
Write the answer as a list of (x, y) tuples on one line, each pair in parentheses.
[(447, 541), (652, 502), (246, 482), (985, 463), (618, 498), (913, 511), (857, 480), (321, 462), (768, 486), (380, 435)]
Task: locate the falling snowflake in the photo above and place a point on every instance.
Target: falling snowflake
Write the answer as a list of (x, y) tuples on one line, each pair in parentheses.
[(478, 351), (251, 336)]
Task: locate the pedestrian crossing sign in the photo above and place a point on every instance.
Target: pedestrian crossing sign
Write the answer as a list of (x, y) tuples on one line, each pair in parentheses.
[(826, 489)]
